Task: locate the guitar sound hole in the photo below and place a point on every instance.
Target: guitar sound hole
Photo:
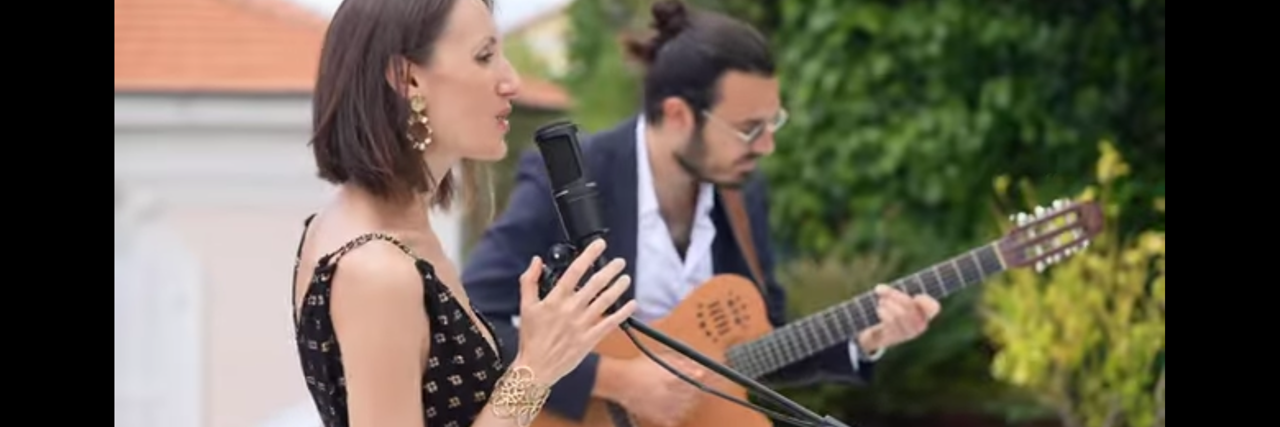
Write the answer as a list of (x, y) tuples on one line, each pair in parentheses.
[(734, 309), (738, 310), (715, 320)]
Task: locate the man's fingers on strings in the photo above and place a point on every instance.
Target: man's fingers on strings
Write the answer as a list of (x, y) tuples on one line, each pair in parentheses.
[(889, 317), (929, 306), (891, 295)]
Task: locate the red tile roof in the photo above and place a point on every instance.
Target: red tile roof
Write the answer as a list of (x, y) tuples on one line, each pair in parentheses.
[(538, 93), (235, 46)]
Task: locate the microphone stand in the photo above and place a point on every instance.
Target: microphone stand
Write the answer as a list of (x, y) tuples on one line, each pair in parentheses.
[(562, 254)]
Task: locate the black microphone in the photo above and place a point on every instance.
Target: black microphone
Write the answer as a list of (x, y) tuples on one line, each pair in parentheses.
[(576, 198)]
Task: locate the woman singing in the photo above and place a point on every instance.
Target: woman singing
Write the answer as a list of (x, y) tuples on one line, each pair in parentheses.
[(407, 89)]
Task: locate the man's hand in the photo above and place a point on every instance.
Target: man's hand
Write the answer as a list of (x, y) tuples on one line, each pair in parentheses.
[(902, 318), (655, 395)]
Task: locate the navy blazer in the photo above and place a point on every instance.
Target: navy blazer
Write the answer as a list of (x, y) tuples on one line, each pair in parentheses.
[(530, 226)]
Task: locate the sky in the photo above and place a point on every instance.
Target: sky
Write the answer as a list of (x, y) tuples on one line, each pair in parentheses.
[(508, 13)]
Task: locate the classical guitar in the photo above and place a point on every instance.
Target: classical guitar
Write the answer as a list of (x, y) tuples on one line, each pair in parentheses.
[(725, 317)]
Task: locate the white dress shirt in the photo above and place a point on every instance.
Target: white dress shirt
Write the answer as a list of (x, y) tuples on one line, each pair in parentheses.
[(662, 279)]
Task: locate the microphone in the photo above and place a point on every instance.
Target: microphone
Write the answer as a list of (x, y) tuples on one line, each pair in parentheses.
[(578, 207), (576, 198)]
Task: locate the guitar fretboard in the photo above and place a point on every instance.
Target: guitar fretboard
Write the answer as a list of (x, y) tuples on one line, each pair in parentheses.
[(837, 324)]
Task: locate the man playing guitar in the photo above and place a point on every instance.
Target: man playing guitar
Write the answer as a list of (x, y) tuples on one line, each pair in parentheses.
[(669, 180)]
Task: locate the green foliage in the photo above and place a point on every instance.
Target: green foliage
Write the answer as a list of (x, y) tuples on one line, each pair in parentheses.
[(525, 59), (903, 113), (908, 110), (1087, 337), (604, 86)]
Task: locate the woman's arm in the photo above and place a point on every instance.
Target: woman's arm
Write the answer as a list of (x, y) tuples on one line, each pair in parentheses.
[(379, 319)]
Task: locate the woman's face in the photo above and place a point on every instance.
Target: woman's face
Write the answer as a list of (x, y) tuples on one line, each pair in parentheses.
[(468, 86)]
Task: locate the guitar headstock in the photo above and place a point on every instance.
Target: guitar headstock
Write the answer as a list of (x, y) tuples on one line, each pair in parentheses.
[(1050, 234)]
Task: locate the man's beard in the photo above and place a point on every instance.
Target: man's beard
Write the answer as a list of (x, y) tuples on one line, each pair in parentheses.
[(693, 159)]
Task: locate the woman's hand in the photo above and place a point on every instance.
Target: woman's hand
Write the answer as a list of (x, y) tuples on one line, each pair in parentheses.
[(558, 331)]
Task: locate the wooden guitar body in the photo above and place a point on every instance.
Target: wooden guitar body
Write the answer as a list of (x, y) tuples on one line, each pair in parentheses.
[(723, 311)]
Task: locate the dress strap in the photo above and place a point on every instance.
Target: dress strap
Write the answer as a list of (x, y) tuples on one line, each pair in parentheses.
[(297, 261), (297, 256), (306, 224), (360, 241)]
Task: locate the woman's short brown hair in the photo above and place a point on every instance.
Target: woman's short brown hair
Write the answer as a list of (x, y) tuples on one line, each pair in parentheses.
[(359, 122)]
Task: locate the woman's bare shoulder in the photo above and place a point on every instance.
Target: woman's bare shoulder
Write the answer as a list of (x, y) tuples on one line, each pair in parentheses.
[(375, 275)]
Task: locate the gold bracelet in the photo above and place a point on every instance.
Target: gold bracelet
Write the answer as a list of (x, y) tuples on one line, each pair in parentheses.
[(517, 395)]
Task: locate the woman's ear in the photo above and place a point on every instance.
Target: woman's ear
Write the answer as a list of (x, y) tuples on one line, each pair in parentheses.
[(400, 75)]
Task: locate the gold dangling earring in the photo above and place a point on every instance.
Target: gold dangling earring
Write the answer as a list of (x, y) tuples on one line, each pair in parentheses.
[(418, 116)]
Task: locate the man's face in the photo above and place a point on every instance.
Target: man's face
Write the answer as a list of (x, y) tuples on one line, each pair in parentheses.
[(737, 131)]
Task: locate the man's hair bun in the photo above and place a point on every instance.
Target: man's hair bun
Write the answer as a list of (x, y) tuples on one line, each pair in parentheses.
[(670, 17)]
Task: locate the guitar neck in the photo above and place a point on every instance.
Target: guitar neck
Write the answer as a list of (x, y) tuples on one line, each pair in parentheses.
[(837, 324)]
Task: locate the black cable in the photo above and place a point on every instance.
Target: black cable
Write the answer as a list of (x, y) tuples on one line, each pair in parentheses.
[(776, 416)]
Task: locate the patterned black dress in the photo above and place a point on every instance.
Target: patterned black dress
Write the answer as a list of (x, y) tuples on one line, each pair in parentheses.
[(461, 368)]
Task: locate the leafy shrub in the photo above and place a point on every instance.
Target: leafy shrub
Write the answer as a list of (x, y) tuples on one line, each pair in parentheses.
[(1087, 337)]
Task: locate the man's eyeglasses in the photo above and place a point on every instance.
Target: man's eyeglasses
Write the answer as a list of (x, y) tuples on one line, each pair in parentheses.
[(751, 135)]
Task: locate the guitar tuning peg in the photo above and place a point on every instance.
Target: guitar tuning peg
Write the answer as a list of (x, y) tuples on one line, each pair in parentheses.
[(1040, 211), (1040, 266)]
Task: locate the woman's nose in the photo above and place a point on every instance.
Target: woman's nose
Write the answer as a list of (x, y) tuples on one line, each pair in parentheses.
[(509, 85)]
